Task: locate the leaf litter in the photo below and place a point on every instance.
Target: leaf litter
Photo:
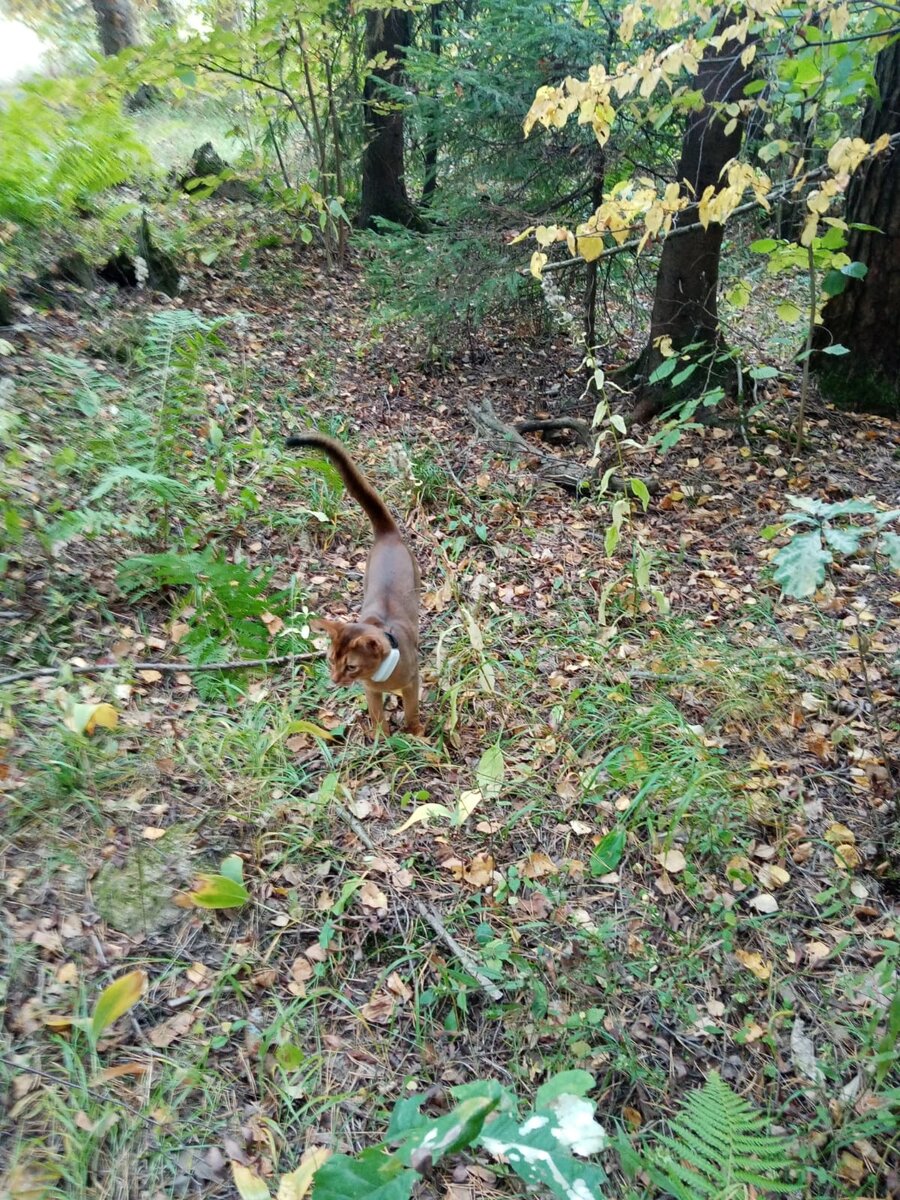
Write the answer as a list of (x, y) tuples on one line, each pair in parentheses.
[(662, 839)]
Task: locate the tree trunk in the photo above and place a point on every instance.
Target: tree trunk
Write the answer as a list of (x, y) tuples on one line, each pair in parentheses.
[(685, 307), (388, 34), (116, 25), (865, 317), (432, 132)]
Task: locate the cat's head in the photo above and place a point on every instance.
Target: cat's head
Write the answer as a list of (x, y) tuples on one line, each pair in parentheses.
[(356, 651)]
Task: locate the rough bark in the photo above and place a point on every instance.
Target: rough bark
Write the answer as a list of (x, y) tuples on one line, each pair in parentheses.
[(388, 34), (432, 132), (116, 25), (865, 317), (685, 307)]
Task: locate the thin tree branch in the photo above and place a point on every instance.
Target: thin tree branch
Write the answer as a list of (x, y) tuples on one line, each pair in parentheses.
[(166, 667)]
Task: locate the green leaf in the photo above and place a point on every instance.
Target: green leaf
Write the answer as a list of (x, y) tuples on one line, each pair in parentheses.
[(607, 854), (114, 1001), (772, 531), (540, 1157), (844, 539), (789, 312), (373, 1175), (233, 868), (847, 508), (882, 518), (565, 1083), (763, 246), (856, 270), (218, 891), (664, 370), (800, 565), (889, 545), (739, 295), (489, 772), (684, 374), (760, 373), (833, 283), (187, 77), (836, 350), (448, 1134), (641, 491)]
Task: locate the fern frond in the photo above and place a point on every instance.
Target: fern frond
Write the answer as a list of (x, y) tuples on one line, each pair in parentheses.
[(718, 1149)]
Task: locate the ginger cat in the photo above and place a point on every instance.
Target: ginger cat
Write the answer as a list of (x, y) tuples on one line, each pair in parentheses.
[(380, 649)]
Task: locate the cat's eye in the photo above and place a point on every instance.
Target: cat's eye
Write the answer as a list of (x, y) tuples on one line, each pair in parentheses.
[(352, 668)]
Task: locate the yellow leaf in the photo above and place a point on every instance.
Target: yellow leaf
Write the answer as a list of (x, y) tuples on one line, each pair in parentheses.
[(218, 891), (152, 833), (424, 814), (296, 1185), (538, 262), (103, 715), (466, 804), (590, 247), (248, 1184), (115, 1000), (754, 962), (838, 834)]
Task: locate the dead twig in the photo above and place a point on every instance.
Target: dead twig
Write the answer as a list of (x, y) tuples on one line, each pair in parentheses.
[(580, 428), (429, 915), (95, 668)]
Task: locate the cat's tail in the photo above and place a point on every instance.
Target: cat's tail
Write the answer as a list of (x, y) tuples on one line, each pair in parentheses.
[(354, 480)]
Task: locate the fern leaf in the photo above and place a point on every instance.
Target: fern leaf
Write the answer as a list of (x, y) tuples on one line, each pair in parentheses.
[(718, 1148)]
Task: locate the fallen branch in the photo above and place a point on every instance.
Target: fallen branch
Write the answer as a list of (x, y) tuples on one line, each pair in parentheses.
[(428, 915), (567, 474), (551, 424), (95, 668)]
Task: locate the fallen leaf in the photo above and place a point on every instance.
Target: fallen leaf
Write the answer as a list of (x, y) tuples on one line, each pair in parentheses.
[(480, 871), (839, 835), (755, 963), (296, 1185), (537, 865), (114, 1001), (764, 903), (379, 1008), (772, 876), (371, 895), (672, 861), (396, 985), (152, 833), (150, 676)]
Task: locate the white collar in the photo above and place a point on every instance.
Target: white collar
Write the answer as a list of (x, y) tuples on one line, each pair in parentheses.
[(386, 670)]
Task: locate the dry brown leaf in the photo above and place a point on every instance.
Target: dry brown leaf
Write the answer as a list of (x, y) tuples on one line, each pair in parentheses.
[(480, 871), (371, 896), (755, 963), (396, 985), (379, 1008), (672, 861), (166, 1032), (536, 865), (152, 833), (150, 676)]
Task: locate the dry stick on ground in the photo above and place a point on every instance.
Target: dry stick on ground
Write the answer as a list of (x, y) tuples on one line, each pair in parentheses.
[(549, 425), (429, 915), (566, 474), (233, 665)]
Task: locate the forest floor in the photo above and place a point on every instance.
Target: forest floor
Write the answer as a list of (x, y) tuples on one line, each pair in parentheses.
[(749, 922)]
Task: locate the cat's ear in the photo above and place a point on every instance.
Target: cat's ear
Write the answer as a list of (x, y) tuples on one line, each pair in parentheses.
[(368, 645), (323, 625)]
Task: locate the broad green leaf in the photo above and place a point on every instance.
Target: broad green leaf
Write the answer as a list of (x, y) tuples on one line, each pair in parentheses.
[(847, 508), (233, 868), (405, 1117), (538, 1154), (611, 540), (618, 423), (297, 1184), (845, 539), (763, 246), (760, 373), (664, 370), (789, 312), (373, 1175), (466, 804), (566, 1083), (889, 545), (856, 270), (489, 772), (640, 490), (834, 283), (249, 1184), (114, 1001), (800, 565), (772, 531), (448, 1134), (808, 504), (686, 373), (607, 854), (837, 350), (218, 891)]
